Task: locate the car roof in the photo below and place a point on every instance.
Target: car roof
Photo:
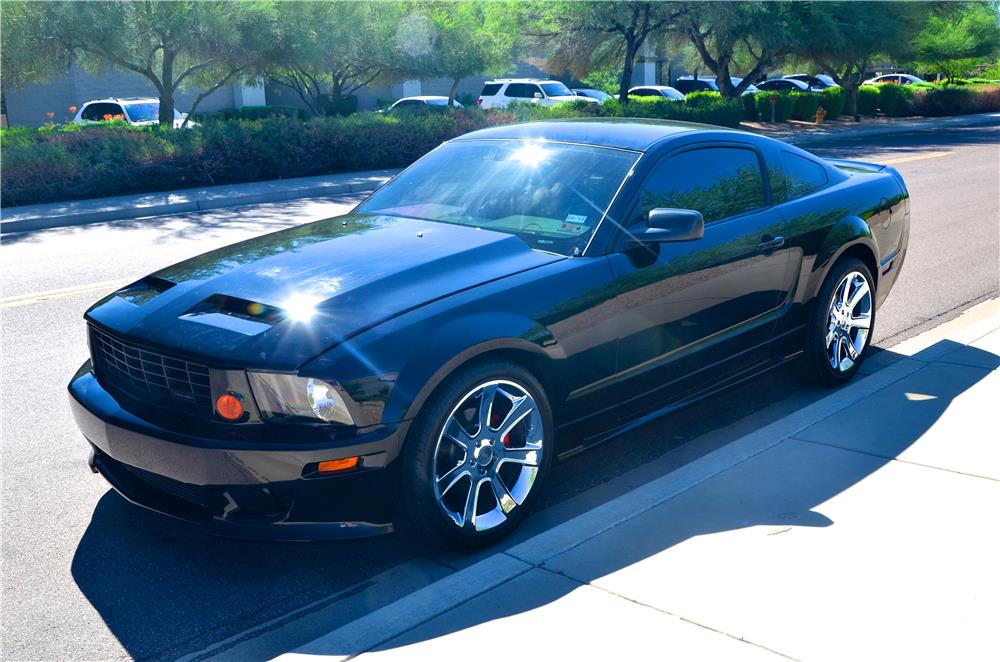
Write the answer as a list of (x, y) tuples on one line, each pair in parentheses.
[(125, 100), (630, 133), (522, 80), (423, 98)]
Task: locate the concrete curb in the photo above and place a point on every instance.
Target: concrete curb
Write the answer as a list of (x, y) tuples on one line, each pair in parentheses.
[(82, 212), (126, 207), (393, 620)]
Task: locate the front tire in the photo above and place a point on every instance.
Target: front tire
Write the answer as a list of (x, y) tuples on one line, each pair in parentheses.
[(842, 323), (477, 455)]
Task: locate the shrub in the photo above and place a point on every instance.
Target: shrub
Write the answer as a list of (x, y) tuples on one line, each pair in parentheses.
[(895, 100), (867, 99), (953, 100), (833, 100), (804, 105), (749, 108), (67, 162), (250, 113), (782, 109)]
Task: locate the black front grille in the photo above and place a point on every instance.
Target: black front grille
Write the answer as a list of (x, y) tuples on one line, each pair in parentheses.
[(150, 377), (193, 493)]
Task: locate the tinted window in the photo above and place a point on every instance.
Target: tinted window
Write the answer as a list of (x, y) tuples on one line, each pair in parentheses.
[(717, 181), (684, 86), (799, 175), (552, 195), (96, 111), (556, 90), (645, 93), (490, 89), (522, 90)]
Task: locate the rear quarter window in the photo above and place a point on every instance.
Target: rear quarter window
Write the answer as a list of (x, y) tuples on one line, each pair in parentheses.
[(490, 89), (798, 176)]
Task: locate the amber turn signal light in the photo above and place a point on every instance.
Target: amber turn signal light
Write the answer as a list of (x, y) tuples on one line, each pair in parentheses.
[(337, 465), (229, 407)]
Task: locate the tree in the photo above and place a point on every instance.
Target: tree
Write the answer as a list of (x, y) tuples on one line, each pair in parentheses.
[(327, 51), (843, 38), (455, 40), (169, 43), (753, 36), (958, 37), (580, 36)]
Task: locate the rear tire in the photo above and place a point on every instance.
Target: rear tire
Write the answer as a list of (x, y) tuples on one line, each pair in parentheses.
[(842, 323), (477, 455)]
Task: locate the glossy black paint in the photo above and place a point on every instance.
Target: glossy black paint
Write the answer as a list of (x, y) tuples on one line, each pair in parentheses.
[(625, 332)]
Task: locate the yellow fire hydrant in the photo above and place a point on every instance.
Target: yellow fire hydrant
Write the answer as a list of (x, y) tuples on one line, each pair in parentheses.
[(820, 114)]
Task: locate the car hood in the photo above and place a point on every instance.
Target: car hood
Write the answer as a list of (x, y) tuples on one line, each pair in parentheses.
[(278, 300)]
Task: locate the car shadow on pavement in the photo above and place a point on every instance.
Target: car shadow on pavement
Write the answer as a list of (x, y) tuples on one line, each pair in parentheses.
[(157, 583)]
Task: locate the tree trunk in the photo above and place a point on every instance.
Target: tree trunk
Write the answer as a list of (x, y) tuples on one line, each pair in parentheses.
[(630, 51), (167, 91), (451, 92), (852, 98)]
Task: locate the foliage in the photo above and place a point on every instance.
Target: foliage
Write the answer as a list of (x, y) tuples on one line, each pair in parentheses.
[(782, 108), (804, 105), (895, 100), (605, 80), (833, 100), (844, 37), (867, 99), (169, 43), (250, 113), (754, 34), (957, 38), (953, 100), (581, 36), (327, 51)]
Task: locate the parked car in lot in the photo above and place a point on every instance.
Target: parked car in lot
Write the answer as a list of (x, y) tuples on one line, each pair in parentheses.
[(519, 294), (898, 79), (783, 85), (656, 91), (137, 111), (817, 82), (590, 93), (500, 93), (422, 103), (688, 84)]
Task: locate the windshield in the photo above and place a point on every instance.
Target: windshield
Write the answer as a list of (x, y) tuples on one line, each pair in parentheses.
[(556, 90), (551, 195), (147, 112)]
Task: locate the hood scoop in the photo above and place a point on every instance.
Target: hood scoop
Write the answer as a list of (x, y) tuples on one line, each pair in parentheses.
[(234, 314), (144, 290)]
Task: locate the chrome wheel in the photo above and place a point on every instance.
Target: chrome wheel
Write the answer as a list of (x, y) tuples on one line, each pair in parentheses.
[(488, 455), (849, 321)]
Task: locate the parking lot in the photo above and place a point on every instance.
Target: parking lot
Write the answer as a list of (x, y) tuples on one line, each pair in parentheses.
[(86, 575)]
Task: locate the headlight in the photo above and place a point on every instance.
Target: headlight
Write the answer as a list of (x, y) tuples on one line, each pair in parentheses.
[(292, 397)]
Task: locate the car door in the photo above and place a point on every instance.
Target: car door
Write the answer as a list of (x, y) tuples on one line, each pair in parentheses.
[(698, 312)]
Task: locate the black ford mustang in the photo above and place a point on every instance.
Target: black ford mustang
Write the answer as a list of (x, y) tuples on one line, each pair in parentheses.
[(517, 295)]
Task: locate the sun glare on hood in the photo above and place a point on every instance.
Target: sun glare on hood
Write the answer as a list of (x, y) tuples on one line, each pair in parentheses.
[(299, 307)]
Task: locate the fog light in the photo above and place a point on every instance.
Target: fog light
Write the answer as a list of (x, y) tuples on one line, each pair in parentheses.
[(331, 466), (229, 406)]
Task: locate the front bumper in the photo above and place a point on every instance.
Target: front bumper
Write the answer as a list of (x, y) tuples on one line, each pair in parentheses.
[(235, 488)]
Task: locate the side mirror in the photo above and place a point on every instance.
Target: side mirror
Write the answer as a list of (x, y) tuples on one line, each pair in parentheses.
[(538, 95), (665, 224)]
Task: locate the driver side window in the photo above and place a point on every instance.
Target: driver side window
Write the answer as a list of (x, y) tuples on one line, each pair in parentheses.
[(719, 182)]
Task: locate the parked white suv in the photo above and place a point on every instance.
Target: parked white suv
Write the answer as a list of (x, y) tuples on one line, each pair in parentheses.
[(137, 111), (500, 93)]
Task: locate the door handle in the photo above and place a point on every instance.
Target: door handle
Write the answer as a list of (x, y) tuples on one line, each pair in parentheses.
[(769, 244)]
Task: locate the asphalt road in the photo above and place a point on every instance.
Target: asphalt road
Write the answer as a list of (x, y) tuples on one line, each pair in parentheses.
[(87, 576)]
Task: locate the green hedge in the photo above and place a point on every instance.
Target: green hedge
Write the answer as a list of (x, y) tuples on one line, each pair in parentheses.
[(782, 110), (895, 100), (955, 100), (804, 105), (68, 162), (834, 102), (250, 113), (867, 99)]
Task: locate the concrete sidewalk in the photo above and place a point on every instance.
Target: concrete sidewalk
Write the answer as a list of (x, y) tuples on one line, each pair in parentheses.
[(80, 212), (865, 526), (807, 133)]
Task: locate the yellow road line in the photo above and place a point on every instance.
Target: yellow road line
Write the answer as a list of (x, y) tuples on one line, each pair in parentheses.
[(915, 157), (64, 293)]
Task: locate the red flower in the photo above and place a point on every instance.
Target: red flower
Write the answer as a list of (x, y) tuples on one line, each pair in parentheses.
[(72, 109), (50, 114)]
